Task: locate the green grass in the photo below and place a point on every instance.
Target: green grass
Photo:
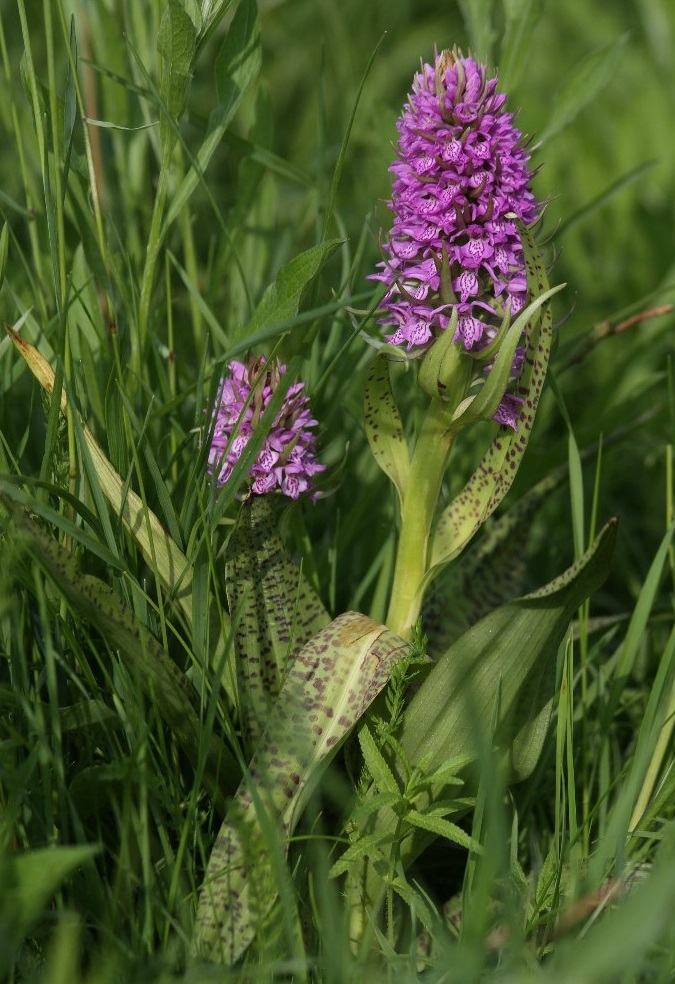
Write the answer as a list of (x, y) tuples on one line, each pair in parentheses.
[(137, 284)]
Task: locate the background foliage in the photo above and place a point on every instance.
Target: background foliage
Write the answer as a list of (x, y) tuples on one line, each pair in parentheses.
[(594, 83)]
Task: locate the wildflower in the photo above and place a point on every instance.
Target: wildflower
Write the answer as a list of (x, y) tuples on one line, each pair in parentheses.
[(286, 461), (461, 180)]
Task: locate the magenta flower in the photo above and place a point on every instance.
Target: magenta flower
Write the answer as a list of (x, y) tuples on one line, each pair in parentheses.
[(286, 461), (460, 181)]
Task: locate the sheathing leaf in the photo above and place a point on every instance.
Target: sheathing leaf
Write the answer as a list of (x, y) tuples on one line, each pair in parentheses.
[(493, 478), (384, 428)]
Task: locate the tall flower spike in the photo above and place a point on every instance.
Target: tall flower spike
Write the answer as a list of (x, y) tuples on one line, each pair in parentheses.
[(461, 180), (287, 459)]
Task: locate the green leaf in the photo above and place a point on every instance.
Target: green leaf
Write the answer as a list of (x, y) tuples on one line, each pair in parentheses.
[(493, 478), (382, 775), (167, 688), (331, 683), (237, 65), (275, 610), (443, 828), (281, 300), (29, 880), (521, 18), (369, 846), (583, 85), (384, 428), (176, 43), (517, 644), (512, 651)]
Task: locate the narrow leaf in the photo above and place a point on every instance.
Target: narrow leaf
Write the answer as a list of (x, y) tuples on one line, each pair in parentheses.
[(521, 18), (237, 65), (384, 428), (443, 828), (374, 761)]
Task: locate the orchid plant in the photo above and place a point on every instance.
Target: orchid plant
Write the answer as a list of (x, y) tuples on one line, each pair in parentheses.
[(463, 315)]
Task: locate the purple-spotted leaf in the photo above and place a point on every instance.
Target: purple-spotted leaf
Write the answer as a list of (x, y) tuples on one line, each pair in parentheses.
[(509, 655), (384, 428), (493, 478), (274, 609), (483, 405), (329, 686)]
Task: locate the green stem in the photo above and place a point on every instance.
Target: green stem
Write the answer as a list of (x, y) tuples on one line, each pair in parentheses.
[(419, 505)]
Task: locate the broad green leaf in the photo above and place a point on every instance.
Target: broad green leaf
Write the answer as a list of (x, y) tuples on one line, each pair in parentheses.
[(512, 651), (516, 644), (281, 300), (384, 428), (157, 546), (331, 683), (167, 688), (176, 43), (493, 478), (237, 65), (274, 608), (29, 880), (582, 86)]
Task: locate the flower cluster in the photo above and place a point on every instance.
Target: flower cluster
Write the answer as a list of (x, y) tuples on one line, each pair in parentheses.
[(286, 461), (460, 182)]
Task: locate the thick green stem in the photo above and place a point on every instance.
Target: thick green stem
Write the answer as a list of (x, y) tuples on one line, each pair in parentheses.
[(417, 514)]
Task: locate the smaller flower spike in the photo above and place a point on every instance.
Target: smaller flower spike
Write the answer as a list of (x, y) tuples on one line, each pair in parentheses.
[(287, 461), (461, 184)]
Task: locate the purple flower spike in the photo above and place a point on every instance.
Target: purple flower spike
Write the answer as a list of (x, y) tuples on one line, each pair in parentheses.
[(286, 462), (461, 179)]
